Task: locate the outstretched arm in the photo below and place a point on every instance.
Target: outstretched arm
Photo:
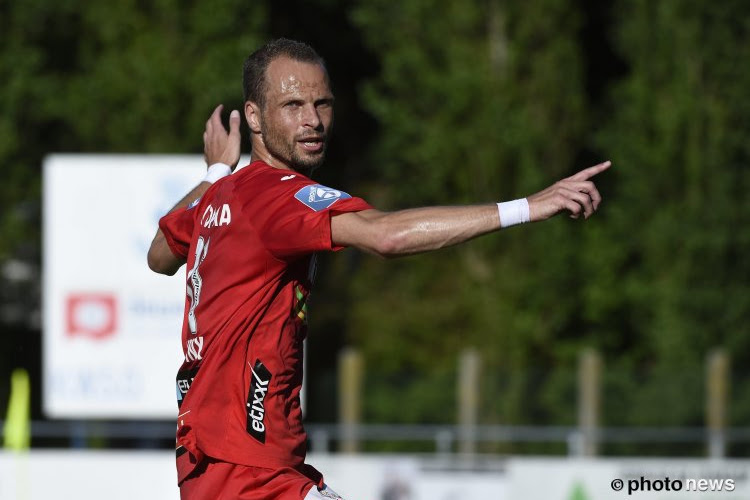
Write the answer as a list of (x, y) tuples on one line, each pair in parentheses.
[(423, 229), (222, 152)]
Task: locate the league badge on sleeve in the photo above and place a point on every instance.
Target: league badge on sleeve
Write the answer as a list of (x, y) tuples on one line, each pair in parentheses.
[(319, 197)]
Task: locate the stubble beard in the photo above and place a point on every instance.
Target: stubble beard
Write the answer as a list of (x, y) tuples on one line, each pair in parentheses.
[(286, 151)]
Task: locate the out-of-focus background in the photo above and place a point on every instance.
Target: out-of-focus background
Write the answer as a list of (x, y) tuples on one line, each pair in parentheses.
[(556, 356)]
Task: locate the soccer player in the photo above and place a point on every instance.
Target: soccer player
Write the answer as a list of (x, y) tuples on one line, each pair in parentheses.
[(249, 240)]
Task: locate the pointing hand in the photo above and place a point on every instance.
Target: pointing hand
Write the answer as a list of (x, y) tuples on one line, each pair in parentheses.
[(575, 194)]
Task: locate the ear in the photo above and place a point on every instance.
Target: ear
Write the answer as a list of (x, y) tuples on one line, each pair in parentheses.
[(252, 116)]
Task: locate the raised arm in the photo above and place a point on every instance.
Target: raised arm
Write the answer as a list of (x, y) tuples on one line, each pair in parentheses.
[(221, 152), (406, 232)]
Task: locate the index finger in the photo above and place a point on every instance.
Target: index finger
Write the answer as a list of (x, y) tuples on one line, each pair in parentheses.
[(215, 118), (588, 173)]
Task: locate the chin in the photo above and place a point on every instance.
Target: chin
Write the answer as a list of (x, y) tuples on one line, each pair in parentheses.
[(308, 164)]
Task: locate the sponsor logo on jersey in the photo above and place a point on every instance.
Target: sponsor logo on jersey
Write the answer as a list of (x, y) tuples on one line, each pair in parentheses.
[(319, 197), (184, 381), (182, 388), (287, 177), (256, 411)]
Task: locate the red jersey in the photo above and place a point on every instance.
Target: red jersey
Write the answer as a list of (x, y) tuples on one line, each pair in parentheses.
[(249, 242)]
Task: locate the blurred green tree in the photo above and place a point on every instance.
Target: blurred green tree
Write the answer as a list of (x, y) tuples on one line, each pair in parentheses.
[(677, 284), (492, 100), (122, 77), (484, 102)]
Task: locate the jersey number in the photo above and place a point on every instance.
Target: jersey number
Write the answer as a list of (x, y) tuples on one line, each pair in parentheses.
[(195, 282)]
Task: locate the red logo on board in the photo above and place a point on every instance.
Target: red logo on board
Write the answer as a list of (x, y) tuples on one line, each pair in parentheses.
[(91, 315)]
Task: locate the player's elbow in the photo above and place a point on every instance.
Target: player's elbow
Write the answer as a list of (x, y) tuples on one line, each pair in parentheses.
[(388, 244), (159, 264), (155, 264), (373, 233)]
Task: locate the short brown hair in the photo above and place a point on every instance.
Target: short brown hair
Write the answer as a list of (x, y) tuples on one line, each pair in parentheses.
[(254, 70)]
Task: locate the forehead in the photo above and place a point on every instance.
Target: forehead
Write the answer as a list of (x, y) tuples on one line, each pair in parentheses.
[(286, 76)]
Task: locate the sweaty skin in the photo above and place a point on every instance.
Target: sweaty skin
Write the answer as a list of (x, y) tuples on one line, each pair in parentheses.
[(290, 85), (417, 230), (291, 129)]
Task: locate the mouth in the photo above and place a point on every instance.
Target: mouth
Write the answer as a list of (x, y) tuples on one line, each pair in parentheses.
[(312, 144)]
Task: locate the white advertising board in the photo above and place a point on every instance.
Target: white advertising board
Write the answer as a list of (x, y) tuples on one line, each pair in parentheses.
[(89, 475), (146, 475), (111, 331)]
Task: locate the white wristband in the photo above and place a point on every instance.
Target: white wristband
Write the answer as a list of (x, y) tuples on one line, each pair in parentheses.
[(216, 172), (513, 212)]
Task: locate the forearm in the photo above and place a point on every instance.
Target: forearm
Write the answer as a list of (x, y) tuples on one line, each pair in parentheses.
[(160, 257), (221, 152), (193, 195), (415, 230), (423, 229)]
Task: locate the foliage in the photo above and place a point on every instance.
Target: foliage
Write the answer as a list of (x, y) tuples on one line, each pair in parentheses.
[(115, 77), (678, 130), (492, 115), (492, 100)]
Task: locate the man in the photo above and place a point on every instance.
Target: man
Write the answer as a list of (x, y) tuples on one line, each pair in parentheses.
[(249, 241)]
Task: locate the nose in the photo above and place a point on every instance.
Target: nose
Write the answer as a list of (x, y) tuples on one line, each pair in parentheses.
[(311, 117)]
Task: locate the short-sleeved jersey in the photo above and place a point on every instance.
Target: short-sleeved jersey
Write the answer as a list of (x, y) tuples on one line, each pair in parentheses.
[(249, 242)]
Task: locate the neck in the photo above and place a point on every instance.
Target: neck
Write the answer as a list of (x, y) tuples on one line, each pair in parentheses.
[(268, 159), (261, 154)]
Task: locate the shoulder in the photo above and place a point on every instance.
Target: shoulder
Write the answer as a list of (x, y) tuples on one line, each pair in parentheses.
[(261, 185), (261, 180), (259, 171)]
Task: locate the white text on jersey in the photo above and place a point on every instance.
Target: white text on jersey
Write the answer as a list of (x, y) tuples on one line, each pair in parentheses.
[(215, 217), (194, 349), (257, 411)]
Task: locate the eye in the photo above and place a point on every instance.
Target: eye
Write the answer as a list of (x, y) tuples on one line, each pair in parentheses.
[(324, 103), (293, 104)]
